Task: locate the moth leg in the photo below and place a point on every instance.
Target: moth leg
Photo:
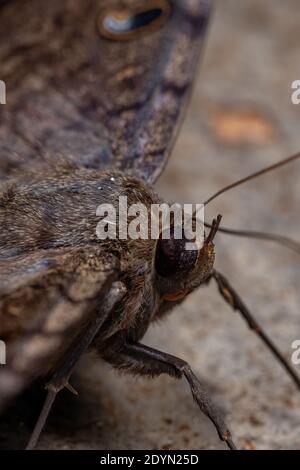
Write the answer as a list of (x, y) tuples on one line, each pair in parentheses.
[(233, 299), (61, 377), (143, 360)]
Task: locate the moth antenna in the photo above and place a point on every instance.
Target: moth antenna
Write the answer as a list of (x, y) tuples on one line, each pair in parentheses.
[(214, 227), (253, 176), (280, 239)]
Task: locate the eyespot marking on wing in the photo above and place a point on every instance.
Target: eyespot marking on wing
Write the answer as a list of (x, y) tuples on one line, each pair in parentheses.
[(125, 24)]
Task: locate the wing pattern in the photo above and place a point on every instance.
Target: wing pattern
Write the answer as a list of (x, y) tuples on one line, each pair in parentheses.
[(75, 95)]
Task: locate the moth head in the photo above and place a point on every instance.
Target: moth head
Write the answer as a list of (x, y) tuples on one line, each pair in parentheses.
[(180, 270)]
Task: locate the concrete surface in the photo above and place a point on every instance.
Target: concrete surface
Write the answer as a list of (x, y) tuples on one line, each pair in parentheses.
[(241, 118)]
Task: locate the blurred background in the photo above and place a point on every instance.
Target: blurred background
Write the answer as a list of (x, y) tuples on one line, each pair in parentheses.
[(240, 119)]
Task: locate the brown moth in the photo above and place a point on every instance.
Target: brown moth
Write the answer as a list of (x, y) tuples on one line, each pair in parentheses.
[(89, 118)]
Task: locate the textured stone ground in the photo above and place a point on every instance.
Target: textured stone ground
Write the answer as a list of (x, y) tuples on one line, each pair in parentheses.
[(241, 118)]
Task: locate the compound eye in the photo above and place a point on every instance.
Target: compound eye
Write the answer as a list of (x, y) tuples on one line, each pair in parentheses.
[(173, 259), (127, 23)]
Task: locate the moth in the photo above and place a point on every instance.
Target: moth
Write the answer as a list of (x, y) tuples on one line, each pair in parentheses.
[(96, 91)]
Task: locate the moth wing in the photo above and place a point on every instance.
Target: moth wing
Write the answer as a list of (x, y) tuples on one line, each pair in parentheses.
[(74, 94), (41, 316)]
